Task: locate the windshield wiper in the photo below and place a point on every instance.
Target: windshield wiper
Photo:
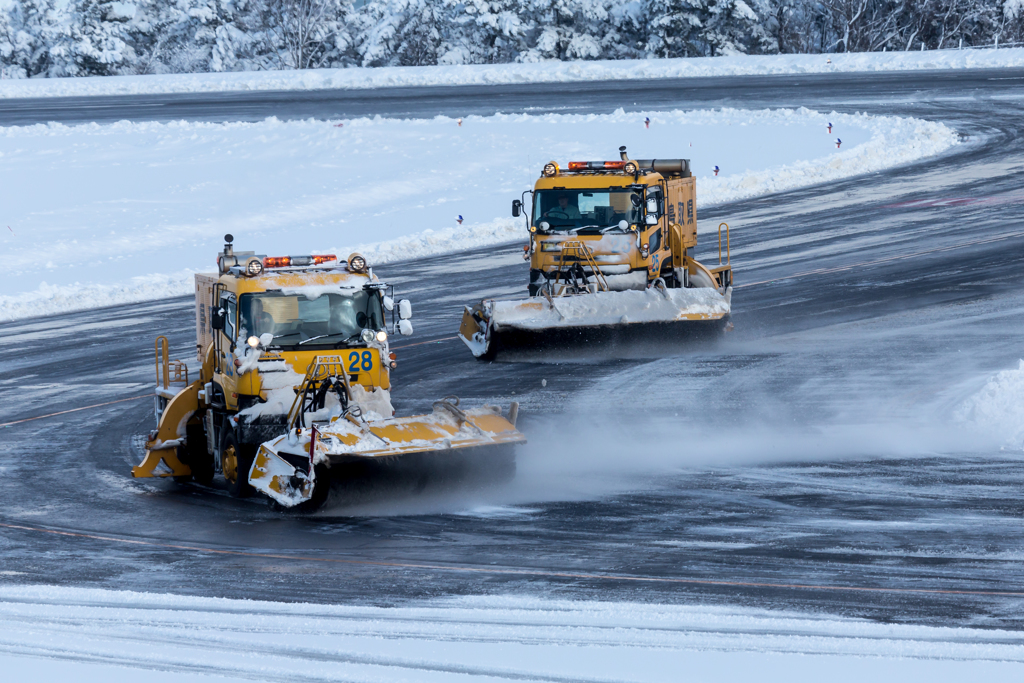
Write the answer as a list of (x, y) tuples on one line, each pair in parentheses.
[(582, 227), (320, 336)]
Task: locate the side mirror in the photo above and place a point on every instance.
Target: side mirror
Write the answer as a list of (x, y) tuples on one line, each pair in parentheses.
[(389, 303), (404, 309), (217, 316), (635, 199), (652, 219), (404, 328), (652, 205), (517, 207)]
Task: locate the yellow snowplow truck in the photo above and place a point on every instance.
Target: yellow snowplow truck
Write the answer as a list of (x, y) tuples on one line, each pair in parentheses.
[(611, 247), (295, 379)]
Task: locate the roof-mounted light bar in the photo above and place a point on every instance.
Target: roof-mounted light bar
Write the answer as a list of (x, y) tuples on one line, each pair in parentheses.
[(597, 165), (297, 261)]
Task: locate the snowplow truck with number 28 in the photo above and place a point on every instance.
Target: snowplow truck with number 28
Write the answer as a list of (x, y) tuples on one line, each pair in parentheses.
[(295, 380), (611, 248)]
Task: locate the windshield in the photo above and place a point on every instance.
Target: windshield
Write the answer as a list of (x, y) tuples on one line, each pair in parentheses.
[(565, 210), (294, 320)]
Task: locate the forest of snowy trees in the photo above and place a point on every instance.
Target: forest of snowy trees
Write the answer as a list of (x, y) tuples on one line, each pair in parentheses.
[(40, 38)]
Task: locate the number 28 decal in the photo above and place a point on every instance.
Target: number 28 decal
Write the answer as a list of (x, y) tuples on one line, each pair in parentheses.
[(360, 360)]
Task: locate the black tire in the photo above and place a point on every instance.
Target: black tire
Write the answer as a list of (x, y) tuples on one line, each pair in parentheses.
[(243, 454), (194, 454)]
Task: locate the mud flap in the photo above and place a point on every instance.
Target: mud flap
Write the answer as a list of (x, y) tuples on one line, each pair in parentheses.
[(280, 480)]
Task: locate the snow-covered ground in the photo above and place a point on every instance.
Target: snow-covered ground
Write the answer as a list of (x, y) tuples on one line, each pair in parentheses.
[(102, 214), (544, 72), (86, 635)]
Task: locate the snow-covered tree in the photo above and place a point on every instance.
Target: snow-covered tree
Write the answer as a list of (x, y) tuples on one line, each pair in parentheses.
[(29, 31), (83, 37), (100, 37)]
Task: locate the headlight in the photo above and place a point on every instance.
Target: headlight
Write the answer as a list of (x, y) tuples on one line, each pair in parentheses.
[(544, 225), (382, 336), (367, 336), (630, 168), (254, 267), (357, 263), (550, 168), (253, 341)]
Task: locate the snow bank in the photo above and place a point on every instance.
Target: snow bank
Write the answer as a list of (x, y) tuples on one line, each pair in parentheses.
[(98, 635), (494, 74), (998, 409), (107, 214)]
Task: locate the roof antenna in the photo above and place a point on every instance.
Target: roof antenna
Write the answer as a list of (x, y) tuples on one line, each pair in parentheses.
[(622, 153)]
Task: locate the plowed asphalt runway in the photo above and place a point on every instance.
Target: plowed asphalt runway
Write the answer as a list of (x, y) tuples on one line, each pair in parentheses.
[(811, 460)]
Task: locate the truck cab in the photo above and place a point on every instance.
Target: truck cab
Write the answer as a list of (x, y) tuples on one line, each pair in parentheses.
[(636, 218), (261, 322)]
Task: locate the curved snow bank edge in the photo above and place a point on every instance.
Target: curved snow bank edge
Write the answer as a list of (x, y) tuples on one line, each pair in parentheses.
[(895, 141), (494, 74), (997, 410)]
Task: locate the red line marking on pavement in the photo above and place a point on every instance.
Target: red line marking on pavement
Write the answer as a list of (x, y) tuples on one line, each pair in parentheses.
[(540, 573), (75, 410)]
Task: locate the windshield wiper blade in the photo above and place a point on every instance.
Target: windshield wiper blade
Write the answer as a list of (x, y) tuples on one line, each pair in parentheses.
[(320, 336), (582, 227)]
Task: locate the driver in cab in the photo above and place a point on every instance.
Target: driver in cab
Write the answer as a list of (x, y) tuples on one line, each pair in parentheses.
[(564, 210)]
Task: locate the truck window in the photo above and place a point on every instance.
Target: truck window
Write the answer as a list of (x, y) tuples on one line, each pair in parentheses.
[(294, 319), (228, 304), (594, 209)]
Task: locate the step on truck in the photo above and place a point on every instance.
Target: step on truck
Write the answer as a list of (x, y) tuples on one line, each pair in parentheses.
[(294, 379), (611, 248)]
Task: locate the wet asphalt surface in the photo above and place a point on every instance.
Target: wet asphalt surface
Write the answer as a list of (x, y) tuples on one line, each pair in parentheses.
[(816, 445)]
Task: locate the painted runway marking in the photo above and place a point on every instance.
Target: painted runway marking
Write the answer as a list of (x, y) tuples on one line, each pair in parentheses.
[(75, 410), (955, 201), (837, 269), (432, 341), (540, 573)]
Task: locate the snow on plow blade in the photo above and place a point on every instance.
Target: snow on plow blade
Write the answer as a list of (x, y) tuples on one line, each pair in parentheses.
[(282, 469), (493, 325)]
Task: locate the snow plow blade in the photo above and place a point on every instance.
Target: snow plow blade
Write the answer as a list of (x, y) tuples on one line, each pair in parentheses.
[(284, 470), (492, 326)]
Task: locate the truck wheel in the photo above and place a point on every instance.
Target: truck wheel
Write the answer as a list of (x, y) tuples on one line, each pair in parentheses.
[(236, 461), (194, 454)]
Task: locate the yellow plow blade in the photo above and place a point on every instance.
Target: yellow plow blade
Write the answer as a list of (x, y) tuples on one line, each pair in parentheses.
[(279, 469), (494, 324), (281, 480)]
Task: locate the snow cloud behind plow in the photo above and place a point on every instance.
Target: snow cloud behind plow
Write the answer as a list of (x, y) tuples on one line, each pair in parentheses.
[(125, 212)]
